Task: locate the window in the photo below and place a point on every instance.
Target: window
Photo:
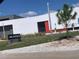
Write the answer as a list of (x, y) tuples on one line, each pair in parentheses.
[(8, 27), (8, 30), (78, 20)]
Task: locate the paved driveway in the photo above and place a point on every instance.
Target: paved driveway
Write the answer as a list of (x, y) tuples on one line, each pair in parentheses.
[(43, 55)]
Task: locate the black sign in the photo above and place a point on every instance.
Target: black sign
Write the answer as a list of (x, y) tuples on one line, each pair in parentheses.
[(14, 37)]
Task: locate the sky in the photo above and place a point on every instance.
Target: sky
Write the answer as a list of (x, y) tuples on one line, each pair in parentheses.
[(32, 7)]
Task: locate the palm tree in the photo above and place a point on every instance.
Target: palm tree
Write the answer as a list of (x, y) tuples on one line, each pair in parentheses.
[(65, 15), (1, 1)]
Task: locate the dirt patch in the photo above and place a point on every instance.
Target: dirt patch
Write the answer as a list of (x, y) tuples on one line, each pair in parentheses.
[(64, 42)]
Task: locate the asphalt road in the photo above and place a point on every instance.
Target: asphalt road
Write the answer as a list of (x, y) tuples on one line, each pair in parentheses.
[(43, 55)]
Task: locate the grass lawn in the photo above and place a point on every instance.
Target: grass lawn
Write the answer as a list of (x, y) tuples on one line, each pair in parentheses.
[(28, 40)]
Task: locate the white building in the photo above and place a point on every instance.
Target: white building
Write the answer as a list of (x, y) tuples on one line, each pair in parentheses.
[(31, 25)]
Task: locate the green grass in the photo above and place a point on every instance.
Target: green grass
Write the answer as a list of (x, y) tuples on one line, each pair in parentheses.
[(3, 45), (28, 40)]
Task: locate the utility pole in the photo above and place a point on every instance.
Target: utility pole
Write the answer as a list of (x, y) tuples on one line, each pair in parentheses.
[(50, 25)]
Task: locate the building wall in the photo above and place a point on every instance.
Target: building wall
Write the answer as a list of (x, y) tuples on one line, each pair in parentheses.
[(29, 25), (25, 25)]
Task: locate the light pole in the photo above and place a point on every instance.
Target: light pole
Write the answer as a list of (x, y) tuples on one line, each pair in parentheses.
[(73, 26), (55, 27), (50, 26), (3, 30)]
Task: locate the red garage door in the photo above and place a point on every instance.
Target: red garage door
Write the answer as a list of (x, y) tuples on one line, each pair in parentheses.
[(47, 26)]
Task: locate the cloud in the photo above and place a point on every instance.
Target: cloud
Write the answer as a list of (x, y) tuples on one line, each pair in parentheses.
[(29, 14), (76, 5)]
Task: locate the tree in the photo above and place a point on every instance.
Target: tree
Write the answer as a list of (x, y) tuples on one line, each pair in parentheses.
[(1, 1), (64, 15)]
